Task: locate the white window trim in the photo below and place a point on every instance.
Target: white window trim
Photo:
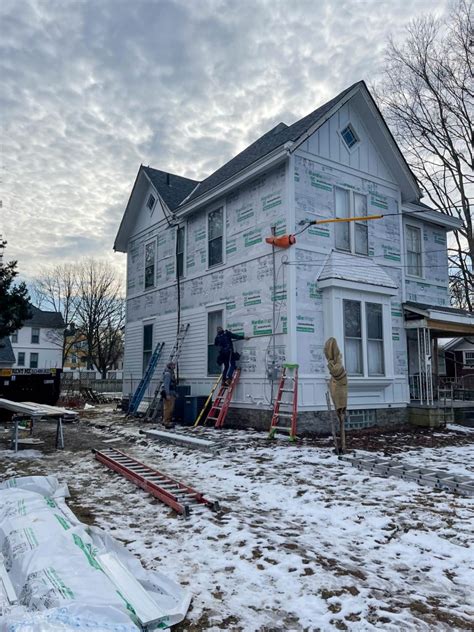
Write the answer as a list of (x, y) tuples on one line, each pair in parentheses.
[(216, 266), (422, 249), (365, 363), (150, 287), (465, 362), (352, 149), (352, 225), (185, 249)]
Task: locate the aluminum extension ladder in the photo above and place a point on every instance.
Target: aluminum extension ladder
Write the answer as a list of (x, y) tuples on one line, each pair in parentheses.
[(179, 496), (284, 408), (221, 403), (145, 381), (155, 404)]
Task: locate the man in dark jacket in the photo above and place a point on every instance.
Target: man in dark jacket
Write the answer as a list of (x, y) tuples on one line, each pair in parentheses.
[(226, 355), (168, 394)]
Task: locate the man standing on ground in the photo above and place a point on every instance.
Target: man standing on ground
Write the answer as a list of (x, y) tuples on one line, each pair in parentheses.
[(168, 394), (226, 355)]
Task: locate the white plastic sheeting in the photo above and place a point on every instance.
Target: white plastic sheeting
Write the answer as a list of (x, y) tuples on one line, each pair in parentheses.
[(52, 562)]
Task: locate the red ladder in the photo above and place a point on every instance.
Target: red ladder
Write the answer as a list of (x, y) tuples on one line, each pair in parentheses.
[(221, 403), (179, 496), (289, 377)]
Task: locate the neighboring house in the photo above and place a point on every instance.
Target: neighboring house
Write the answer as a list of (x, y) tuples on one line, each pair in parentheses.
[(379, 287), (38, 344), (7, 357), (77, 357), (459, 358)]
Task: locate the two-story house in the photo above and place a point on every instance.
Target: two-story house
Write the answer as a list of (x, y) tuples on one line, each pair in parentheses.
[(38, 344), (380, 286)]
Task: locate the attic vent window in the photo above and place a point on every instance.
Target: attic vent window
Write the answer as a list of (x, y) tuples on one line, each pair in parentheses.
[(151, 202), (349, 136)]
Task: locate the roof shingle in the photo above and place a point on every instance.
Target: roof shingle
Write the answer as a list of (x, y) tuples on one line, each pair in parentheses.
[(172, 188)]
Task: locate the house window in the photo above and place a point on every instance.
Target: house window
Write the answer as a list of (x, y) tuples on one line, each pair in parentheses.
[(351, 236), (215, 237), (35, 335), (151, 202), (150, 250), (180, 239), (469, 358), (214, 320), (34, 357), (375, 359), (363, 338), (414, 262), (21, 358), (353, 337), (14, 337), (147, 345), (349, 136)]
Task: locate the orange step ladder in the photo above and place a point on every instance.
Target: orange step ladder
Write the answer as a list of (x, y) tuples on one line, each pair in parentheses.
[(221, 403), (285, 409)]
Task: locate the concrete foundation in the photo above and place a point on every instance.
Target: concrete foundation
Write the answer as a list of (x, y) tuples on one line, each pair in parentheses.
[(426, 416), (311, 423)]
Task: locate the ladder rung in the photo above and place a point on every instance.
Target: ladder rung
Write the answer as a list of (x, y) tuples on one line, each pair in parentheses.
[(287, 390), (212, 417), (284, 414)]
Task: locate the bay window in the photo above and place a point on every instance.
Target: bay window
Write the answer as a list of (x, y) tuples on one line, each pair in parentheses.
[(363, 338)]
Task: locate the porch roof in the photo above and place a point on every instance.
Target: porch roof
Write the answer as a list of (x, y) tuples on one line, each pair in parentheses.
[(443, 322)]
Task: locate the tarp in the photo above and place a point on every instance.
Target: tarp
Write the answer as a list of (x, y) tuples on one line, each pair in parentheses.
[(338, 381), (52, 562)]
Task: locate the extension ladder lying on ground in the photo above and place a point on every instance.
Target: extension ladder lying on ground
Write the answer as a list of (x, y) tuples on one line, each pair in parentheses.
[(155, 404), (423, 476), (283, 408), (221, 403), (180, 497), (146, 379)]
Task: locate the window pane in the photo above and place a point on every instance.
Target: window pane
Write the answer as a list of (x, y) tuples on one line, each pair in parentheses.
[(21, 358), (150, 250), (150, 254), (353, 356), (361, 239), (180, 264), (215, 251), (413, 241), (375, 357), (35, 333), (360, 205), (149, 276), (342, 237), (147, 337), (214, 320), (352, 319), (374, 321), (216, 226), (341, 202), (180, 237), (33, 360)]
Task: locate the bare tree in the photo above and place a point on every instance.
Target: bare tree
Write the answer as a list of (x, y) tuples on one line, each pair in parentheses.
[(101, 313), (427, 97), (57, 290)]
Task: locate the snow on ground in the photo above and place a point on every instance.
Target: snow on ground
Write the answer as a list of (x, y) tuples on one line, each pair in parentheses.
[(306, 541)]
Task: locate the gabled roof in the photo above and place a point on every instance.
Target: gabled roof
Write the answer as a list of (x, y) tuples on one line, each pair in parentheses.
[(7, 357), (172, 188), (47, 320), (348, 267), (276, 137)]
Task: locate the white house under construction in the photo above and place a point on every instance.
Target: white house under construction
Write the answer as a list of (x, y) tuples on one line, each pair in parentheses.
[(197, 250)]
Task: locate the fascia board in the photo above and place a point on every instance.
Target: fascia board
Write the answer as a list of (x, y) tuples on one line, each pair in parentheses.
[(255, 168), (357, 285), (434, 217), (120, 243), (451, 318)]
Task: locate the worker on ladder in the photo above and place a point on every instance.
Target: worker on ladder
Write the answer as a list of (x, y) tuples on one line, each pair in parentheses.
[(168, 394), (227, 356)]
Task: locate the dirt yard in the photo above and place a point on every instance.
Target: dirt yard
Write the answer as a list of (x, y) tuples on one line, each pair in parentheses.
[(304, 542)]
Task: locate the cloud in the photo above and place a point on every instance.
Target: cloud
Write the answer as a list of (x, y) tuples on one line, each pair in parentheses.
[(92, 89)]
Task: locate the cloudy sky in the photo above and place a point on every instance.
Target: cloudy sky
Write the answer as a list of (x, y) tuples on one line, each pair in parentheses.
[(91, 89)]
